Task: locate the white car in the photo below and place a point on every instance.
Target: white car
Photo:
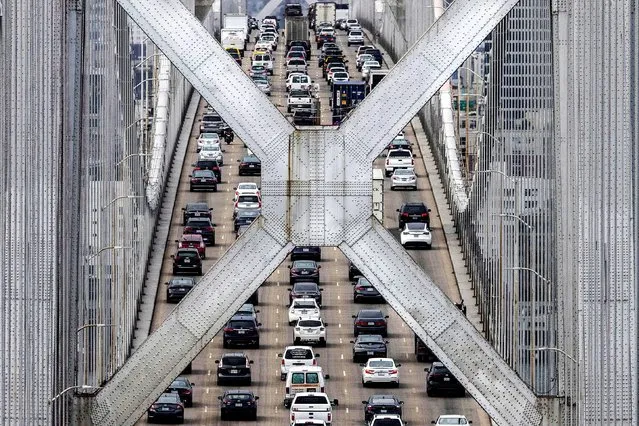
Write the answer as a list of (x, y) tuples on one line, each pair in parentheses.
[(303, 308), (380, 370), (416, 234), (339, 76), (298, 81), (309, 330), (246, 188), (452, 419), (263, 46), (247, 202), (312, 405), (212, 152), (333, 70), (363, 58), (296, 356), (207, 139), (369, 66), (386, 420), (355, 36), (269, 38), (403, 178), (309, 422), (350, 23)]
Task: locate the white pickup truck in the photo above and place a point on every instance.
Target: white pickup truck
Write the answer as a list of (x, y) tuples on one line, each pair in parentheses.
[(298, 99), (312, 405), (296, 65), (398, 159)]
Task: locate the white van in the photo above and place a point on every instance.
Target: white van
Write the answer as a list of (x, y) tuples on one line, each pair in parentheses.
[(295, 356), (312, 405), (303, 379)]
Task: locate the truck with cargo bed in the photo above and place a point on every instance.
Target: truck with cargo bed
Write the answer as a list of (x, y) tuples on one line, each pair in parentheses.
[(296, 29)]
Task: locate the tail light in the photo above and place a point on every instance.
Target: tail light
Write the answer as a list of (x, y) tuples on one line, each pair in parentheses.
[(236, 203), (361, 322), (329, 417), (227, 329), (369, 408), (359, 287), (424, 214), (187, 392), (392, 371), (202, 245), (404, 214), (259, 204), (209, 228), (314, 362), (282, 361), (322, 389), (243, 164), (387, 162), (379, 322), (293, 416), (177, 257), (154, 406), (412, 161), (367, 371)]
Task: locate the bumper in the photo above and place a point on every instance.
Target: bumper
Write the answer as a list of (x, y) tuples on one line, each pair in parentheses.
[(204, 186), (365, 355), (233, 378), (310, 338), (361, 297), (159, 415), (292, 318), (403, 184), (187, 269), (412, 241), (175, 297), (250, 171), (374, 378)]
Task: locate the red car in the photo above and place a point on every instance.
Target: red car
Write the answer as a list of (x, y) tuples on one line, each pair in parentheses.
[(193, 241)]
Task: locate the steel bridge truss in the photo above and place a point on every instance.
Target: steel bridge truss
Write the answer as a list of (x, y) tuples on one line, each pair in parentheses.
[(317, 190)]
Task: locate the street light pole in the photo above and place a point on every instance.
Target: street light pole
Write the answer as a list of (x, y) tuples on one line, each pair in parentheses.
[(575, 375), (91, 256), (130, 156), (130, 197), (52, 400)]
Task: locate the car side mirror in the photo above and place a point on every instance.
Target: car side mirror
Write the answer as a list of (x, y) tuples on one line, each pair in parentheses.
[(223, 150), (386, 316), (219, 397), (401, 402), (335, 402), (183, 209), (172, 256), (432, 421), (289, 266), (398, 365), (217, 361), (321, 289), (386, 341), (317, 355), (192, 384), (257, 397), (279, 355), (354, 316), (238, 161), (362, 365), (166, 283), (427, 369), (211, 209), (428, 209), (257, 311), (177, 241), (259, 324), (395, 209), (190, 175), (251, 362), (470, 421), (235, 187), (214, 224), (327, 376), (192, 165), (364, 402), (352, 341)]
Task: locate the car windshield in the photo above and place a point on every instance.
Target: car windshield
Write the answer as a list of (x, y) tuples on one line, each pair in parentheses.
[(416, 226), (248, 199), (381, 364), (303, 305), (181, 282), (305, 287), (210, 136), (241, 324), (304, 264), (168, 399), (452, 421), (203, 173), (312, 400), (383, 401), (212, 118), (258, 68), (188, 253), (370, 338), (399, 153), (194, 221), (340, 75), (298, 353), (309, 323), (371, 314), (439, 369), (240, 396), (363, 282), (414, 209), (180, 383), (296, 62), (234, 360), (356, 33)]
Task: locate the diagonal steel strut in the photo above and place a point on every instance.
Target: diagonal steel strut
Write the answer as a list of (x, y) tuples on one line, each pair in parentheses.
[(189, 328)]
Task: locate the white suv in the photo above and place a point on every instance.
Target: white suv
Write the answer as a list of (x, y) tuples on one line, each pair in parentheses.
[(356, 36), (386, 420), (308, 330), (303, 308), (296, 356), (312, 405)]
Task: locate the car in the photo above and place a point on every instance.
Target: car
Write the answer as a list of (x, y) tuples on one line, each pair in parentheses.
[(237, 57), (376, 53), (381, 404), (297, 81), (304, 378), (351, 22), (256, 70), (369, 346), (212, 152), (330, 71), (193, 241), (413, 212), (212, 123), (400, 142), (269, 38), (303, 308), (203, 179), (247, 202), (234, 367), (312, 405), (451, 419), (304, 270), (353, 271), (238, 403), (203, 227), (264, 46), (241, 330), (246, 188), (263, 84), (386, 420), (325, 37), (249, 165), (398, 159), (440, 380), (305, 290), (168, 406), (307, 253), (298, 54), (370, 321), (244, 217), (305, 44), (339, 76), (296, 65), (356, 36), (404, 178), (183, 387), (248, 309), (178, 287), (362, 49), (187, 260), (308, 330), (380, 370), (363, 291), (297, 99), (264, 59), (295, 356), (369, 66), (207, 139), (199, 209), (416, 234), (364, 57), (209, 165)]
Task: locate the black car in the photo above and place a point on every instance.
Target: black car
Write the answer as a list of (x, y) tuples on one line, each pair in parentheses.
[(203, 179), (244, 217), (209, 165), (212, 123), (381, 404), (400, 144), (365, 292), (413, 212), (370, 321), (376, 54), (187, 260), (241, 330), (168, 406), (369, 346), (178, 288), (307, 253), (440, 379), (184, 388), (304, 270), (353, 271), (202, 226), (195, 210), (308, 290), (250, 165), (238, 403), (234, 368), (303, 43)]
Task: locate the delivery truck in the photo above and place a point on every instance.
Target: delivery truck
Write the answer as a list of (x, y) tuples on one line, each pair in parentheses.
[(296, 29), (346, 95)]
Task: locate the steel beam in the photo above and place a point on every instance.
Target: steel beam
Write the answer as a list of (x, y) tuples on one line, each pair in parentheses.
[(421, 72), (213, 73), (440, 324), (190, 327)]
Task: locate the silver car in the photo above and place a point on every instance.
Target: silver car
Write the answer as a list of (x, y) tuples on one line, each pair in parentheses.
[(403, 178), (263, 84), (212, 152), (247, 202)]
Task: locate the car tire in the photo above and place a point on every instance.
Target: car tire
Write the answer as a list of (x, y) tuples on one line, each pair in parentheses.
[(175, 271), (421, 358), (189, 403), (188, 369), (257, 344), (282, 377), (396, 385), (355, 299), (213, 241), (364, 384), (430, 392), (392, 188), (249, 382), (225, 344), (199, 271), (223, 416), (297, 342), (291, 322)]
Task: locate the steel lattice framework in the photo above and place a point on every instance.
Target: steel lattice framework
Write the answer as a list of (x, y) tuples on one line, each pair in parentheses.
[(317, 190)]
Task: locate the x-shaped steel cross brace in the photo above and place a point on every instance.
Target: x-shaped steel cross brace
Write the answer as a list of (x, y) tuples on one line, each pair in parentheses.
[(317, 189)]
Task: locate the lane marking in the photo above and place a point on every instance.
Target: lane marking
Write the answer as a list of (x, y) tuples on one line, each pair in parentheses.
[(340, 340), (206, 409), (339, 297), (210, 355), (208, 373), (207, 390), (344, 373), (341, 356), (339, 325), (277, 325)]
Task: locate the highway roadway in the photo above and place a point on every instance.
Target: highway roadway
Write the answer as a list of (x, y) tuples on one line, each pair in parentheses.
[(338, 307)]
